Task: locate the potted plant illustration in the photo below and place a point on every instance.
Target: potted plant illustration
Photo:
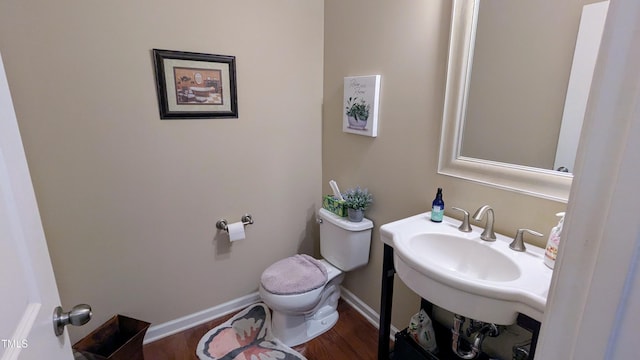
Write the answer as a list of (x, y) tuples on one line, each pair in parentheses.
[(357, 111), (357, 201)]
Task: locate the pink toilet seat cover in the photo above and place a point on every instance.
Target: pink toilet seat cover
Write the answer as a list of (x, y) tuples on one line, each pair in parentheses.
[(294, 275)]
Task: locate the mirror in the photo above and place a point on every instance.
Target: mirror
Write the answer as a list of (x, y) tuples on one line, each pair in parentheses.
[(507, 100)]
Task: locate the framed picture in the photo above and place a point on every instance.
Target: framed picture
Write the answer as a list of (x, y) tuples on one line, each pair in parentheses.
[(361, 98), (195, 86)]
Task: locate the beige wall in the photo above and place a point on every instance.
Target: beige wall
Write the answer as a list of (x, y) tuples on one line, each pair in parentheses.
[(128, 201), (405, 42)]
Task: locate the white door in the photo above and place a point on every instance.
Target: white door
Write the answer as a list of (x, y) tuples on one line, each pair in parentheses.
[(28, 292), (584, 63)]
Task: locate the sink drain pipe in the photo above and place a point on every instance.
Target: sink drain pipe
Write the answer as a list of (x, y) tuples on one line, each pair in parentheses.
[(458, 321), (456, 332)]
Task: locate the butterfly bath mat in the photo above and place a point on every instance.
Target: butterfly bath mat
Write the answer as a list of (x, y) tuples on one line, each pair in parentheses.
[(246, 336)]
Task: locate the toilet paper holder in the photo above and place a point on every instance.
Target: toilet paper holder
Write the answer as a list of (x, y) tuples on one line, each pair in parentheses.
[(246, 220)]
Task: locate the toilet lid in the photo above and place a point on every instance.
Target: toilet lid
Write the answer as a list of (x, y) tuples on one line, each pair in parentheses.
[(294, 275)]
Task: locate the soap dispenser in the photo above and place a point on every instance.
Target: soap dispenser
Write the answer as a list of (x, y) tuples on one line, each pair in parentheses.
[(551, 251), (437, 207)]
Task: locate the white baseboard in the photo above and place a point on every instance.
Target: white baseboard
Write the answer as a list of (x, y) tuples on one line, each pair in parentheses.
[(365, 310), (157, 332)]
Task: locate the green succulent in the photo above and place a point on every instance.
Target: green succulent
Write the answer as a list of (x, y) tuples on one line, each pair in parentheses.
[(358, 109), (358, 199)]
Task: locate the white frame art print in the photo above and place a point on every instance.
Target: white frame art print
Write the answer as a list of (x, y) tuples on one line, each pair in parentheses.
[(361, 98)]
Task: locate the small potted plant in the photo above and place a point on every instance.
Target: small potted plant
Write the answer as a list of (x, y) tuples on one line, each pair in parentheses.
[(357, 112), (357, 201)]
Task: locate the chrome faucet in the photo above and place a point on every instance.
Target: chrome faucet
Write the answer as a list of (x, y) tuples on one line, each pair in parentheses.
[(487, 234)]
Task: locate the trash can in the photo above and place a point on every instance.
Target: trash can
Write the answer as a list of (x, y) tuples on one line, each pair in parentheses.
[(120, 338)]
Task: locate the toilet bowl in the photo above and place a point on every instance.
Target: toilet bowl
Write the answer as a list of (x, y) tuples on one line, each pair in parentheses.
[(303, 292), (297, 318)]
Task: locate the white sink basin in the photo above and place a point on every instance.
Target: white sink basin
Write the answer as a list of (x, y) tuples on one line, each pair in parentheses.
[(466, 258), (458, 271)]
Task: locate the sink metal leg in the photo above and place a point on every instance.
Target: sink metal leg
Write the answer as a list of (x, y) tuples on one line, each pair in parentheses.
[(386, 299), (532, 325)]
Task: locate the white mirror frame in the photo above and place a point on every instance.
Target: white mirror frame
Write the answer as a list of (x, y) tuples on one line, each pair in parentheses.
[(548, 184)]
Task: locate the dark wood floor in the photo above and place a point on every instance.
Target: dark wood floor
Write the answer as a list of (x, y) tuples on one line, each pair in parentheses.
[(352, 338)]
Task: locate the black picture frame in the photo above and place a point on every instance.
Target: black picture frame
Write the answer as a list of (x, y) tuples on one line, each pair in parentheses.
[(194, 85)]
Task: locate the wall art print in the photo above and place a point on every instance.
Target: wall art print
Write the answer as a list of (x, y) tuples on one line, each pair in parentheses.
[(195, 86), (361, 98)]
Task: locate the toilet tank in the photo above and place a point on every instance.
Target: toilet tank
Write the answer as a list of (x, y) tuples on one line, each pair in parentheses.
[(343, 243)]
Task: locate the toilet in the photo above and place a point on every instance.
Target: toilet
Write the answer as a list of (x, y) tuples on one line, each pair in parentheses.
[(303, 292)]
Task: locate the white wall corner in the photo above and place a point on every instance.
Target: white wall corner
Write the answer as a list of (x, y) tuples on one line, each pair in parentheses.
[(365, 310), (157, 332)]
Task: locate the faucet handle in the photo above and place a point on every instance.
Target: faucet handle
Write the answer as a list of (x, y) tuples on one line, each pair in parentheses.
[(518, 242), (464, 227)]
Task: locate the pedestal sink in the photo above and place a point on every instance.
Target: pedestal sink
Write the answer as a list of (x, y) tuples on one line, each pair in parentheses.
[(458, 271)]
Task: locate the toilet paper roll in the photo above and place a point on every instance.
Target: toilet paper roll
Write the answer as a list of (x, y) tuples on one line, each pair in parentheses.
[(236, 231)]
